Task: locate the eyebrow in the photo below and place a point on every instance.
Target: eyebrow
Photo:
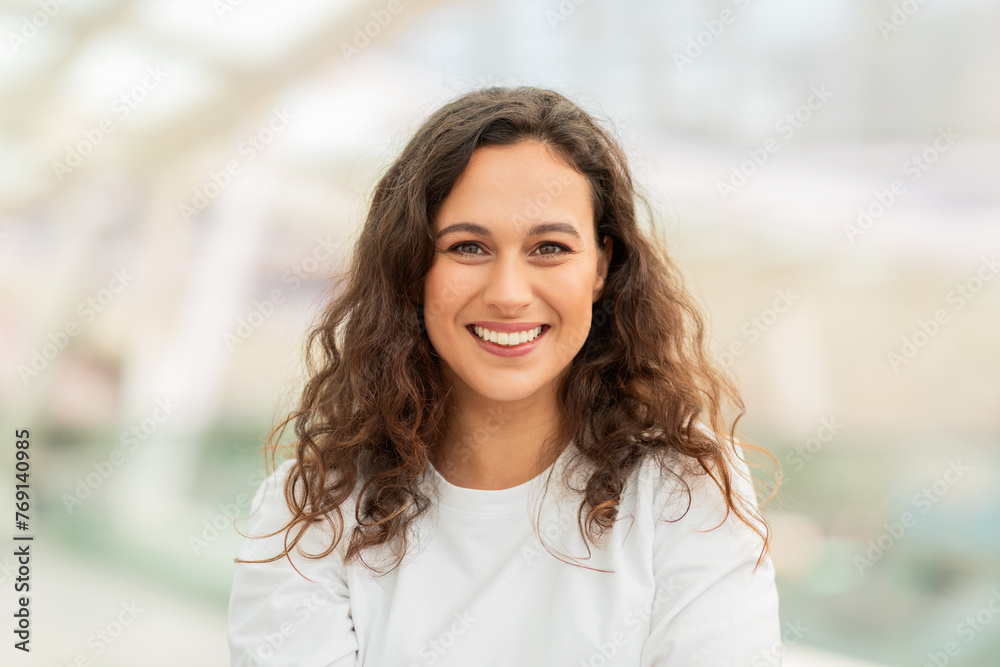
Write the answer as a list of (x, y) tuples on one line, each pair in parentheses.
[(535, 230)]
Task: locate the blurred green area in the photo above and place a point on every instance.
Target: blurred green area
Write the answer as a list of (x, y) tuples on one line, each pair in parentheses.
[(915, 584), (869, 583)]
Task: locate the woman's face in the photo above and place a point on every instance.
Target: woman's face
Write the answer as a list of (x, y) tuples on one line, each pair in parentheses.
[(514, 251)]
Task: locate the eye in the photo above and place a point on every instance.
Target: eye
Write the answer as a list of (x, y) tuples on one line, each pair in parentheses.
[(557, 246), (466, 244), (466, 248)]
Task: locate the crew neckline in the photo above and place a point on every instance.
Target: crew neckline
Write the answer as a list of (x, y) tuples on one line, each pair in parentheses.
[(489, 501)]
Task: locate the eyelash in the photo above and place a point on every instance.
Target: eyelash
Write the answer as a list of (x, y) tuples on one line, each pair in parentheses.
[(551, 254)]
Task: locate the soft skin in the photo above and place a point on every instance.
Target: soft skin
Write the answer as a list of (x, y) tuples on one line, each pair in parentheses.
[(509, 275)]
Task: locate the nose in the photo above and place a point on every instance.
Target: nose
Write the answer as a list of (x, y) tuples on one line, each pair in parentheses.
[(509, 287)]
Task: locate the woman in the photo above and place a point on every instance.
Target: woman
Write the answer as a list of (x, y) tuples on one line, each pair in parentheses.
[(512, 448)]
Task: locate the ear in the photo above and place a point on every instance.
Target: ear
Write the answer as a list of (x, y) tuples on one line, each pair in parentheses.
[(603, 262)]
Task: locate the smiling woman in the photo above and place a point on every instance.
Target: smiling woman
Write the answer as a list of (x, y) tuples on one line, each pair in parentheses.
[(506, 326), (510, 285)]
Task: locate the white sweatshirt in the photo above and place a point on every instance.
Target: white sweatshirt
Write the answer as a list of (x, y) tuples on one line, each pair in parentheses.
[(478, 588)]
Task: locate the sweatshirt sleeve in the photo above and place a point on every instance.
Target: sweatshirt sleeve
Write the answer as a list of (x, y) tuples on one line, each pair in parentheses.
[(713, 608), (276, 617)]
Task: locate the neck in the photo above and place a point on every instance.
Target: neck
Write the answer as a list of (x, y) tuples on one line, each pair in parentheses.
[(496, 445)]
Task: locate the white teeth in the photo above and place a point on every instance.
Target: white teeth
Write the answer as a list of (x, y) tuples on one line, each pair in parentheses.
[(508, 339)]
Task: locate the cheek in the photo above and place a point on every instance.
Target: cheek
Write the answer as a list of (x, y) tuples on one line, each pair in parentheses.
[(571, 295), (571, 291), (434, 292), (445, 290)]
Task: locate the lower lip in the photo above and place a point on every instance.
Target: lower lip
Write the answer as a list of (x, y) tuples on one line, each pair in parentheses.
[(506, 351)]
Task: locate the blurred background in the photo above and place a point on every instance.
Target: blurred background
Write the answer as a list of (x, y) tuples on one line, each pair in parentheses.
[(179, 181)]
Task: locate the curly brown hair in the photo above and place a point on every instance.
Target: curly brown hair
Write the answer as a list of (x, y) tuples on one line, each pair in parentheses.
[(374, 406)]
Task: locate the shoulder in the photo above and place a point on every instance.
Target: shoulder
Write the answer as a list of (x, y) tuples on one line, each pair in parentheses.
[(270, 517), (681, 492), (269, 505), (303, 602)]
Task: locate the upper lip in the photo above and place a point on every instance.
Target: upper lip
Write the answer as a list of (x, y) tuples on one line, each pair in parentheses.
[(508, 327)]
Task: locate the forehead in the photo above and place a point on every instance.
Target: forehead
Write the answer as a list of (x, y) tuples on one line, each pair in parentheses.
[(527, 181)]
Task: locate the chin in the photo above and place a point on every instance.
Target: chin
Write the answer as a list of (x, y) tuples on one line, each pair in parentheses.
[(507, 396), (514, 387)]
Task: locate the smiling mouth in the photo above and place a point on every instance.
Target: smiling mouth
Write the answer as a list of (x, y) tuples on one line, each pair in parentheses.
[(512, 340)]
